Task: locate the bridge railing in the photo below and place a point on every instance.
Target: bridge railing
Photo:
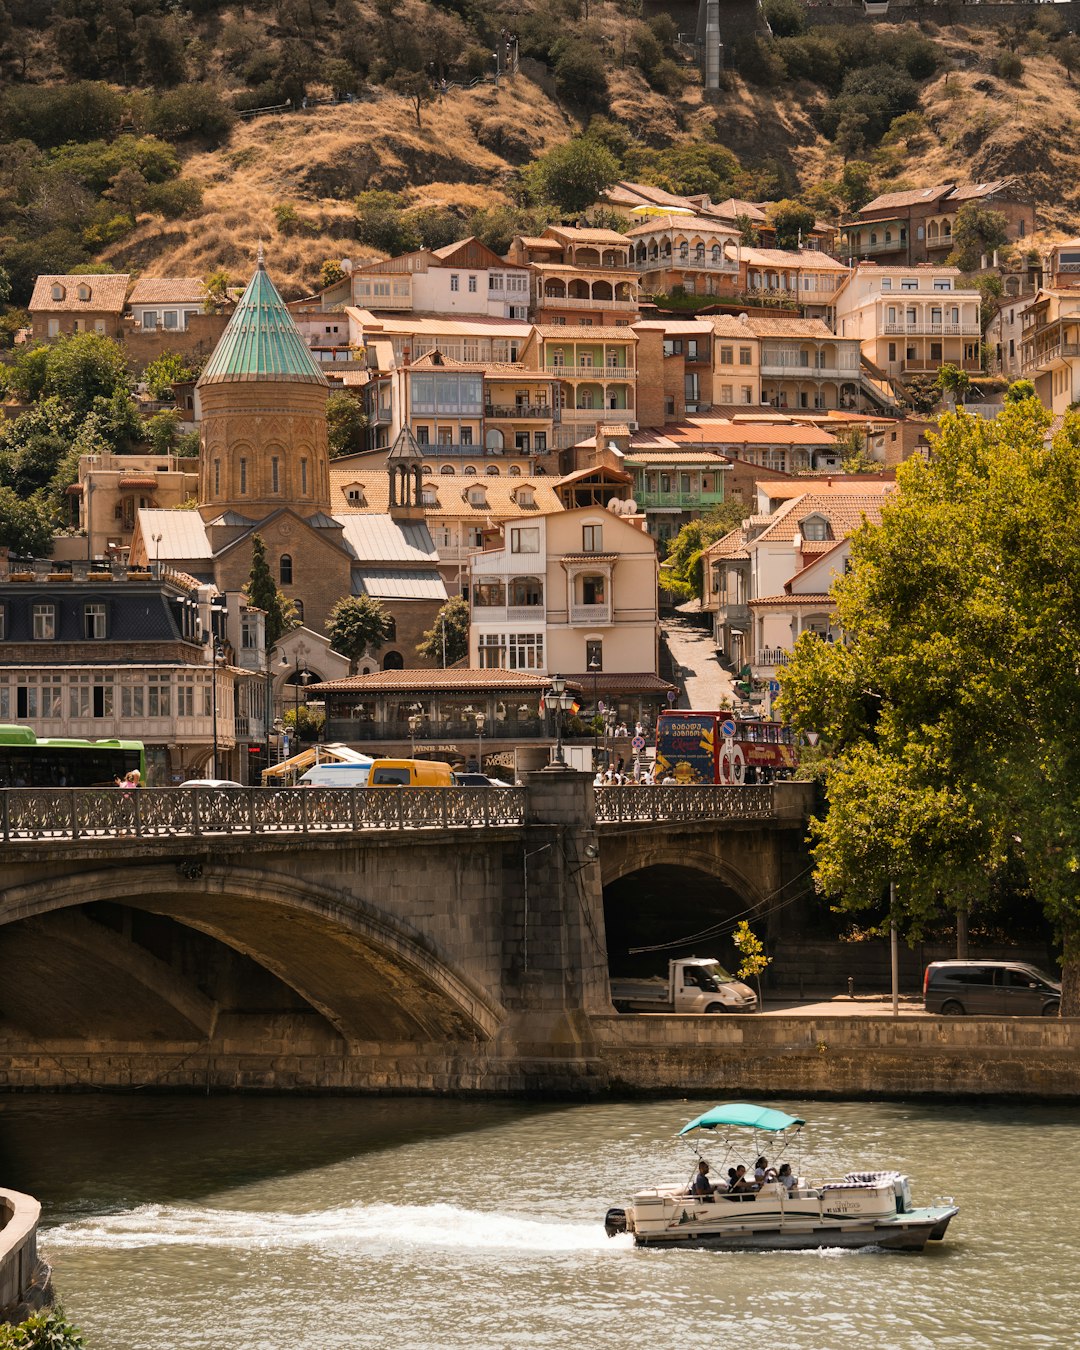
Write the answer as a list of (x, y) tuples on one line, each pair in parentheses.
[(156, 813), (689, 803)]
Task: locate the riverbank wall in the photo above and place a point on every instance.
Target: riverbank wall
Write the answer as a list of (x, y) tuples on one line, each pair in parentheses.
[(847, 1057), (25, 1279)]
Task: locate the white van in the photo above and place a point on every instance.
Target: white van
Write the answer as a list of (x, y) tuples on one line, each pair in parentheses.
[(337, 775)]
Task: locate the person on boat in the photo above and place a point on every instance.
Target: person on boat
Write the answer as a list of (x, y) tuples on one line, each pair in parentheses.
[(786, 1177), (701, 1185), (763, 1172), (742, 1185)]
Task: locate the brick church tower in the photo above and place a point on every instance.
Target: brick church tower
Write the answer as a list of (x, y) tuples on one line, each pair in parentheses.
[(263, 403)]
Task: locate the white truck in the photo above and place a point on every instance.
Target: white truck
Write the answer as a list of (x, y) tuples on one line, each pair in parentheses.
[(694, 984)]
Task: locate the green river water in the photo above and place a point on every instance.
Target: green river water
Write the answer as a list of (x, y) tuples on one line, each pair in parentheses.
[(325, 1224)]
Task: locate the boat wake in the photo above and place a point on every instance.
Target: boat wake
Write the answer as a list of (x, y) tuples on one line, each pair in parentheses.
[(352, 1227)]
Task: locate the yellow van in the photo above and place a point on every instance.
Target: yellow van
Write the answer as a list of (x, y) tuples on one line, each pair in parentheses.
[(410, 773)]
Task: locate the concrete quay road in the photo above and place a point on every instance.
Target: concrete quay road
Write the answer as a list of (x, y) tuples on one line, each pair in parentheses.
[(840, 1005)]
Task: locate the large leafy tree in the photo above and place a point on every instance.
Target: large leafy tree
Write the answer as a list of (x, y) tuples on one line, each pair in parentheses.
[(951, 718), (447, 641), (358, 624), (977, 230)]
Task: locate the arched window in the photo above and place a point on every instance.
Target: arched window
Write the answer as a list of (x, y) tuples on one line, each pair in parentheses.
[(716, 253), (285, 569), (526, 591), (514, 471), (684, 251), (469, 471), (393, 661), (298, 609), (391, 628), (494, 439), (447, 470), (492, 471)]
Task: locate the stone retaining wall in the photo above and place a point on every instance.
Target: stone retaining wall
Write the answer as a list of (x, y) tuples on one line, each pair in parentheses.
[(25, 1280), (842, 1056)]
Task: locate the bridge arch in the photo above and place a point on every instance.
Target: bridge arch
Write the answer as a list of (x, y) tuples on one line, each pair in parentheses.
[(371, 975)]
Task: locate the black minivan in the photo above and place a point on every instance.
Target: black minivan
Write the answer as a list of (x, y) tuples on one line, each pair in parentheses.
[(990, 989)]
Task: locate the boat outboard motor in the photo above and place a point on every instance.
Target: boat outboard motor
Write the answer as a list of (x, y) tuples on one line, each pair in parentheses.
[(615, 1222)]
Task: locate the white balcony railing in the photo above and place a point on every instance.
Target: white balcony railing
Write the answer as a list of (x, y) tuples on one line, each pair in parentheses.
[(600, 373), (690, 263), (919, 327), (590, 613), (577, 302), (784, 372)]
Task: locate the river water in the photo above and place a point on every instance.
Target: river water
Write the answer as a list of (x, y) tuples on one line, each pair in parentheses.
[(311, 1224)]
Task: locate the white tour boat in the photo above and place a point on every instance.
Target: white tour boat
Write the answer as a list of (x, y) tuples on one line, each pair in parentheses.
[(860, 1209)]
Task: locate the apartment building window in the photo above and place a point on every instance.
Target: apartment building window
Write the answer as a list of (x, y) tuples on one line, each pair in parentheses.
[(909, 284), (132, 701), (93, 621), (492, 651), (692, 349), (149, 319), (539, 444), (559, 319), (526, 591), (558, 357), (26, 701), (185, 696), (592, 538), (525, 539), (892, 351), (673, 346), (521, 442), (285, 569), (747, 394), (726, 394), (454, 281), (745, 356), (886, 283), (665, 483), (249, 633), (942, 284), (472, 285), (594, 590), (171, 318), (44, 622), (935, 351), (669, 406), (159, 696), (90, 696), (691, 388), (727, 356), (525, 651)]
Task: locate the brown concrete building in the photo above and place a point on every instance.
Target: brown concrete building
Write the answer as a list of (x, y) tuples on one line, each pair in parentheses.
[(61, 305)]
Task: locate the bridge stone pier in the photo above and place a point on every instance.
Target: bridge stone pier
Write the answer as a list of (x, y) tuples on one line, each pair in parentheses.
[(345, 940)]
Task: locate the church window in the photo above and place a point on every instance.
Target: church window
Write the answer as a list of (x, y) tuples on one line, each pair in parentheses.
[(217, 477), (243, 477), (285, 568), (275, 474), (303, 477)]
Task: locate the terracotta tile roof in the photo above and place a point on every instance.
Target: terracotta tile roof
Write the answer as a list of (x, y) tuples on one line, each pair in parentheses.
[(634, 194), (451, 491), (597, 471), (845, 515), (676, 327), (732, 545), (682, 456), (747, 433), (168, 291), (691, 225), (806, 258), (574, 333), (507, 368), (788, 600), (108, 294), (453, 678), (617, 682), (727, 325), (534, 241), (733, 207), (861, 485), (892, 201), (583, 235), (792, 328), (967, 192)]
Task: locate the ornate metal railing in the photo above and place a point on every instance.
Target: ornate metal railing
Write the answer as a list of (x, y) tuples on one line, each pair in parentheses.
[(45, 814), (689, 803)]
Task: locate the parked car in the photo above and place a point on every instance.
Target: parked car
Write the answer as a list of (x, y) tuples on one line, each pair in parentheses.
[(352, 774), (410, 773), (990, 989), (478, 780), (210, 782)]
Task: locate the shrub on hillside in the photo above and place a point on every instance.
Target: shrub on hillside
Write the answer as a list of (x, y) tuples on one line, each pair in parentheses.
[(571, 176), (687, 169), (82, 111), (580, 72), (786, 18), (192, 111), (381, 222), (878, 93), (1008, 66)]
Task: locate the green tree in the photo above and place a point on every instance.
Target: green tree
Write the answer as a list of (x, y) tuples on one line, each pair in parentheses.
[(330, 272), (24, 525), (163, 372), (753, 961), (129, 190), (571, 176), (29, 374), (345, 423), (358, 624), (855, 184), (163, 430), (952, 380), (579, 70), (85, 367), (792, 222), (977, 230), (447, 641), (1019, 390), (262, 592), (951, 715), (217, 291), (787, 18), (683, 564), (381, 222), (306, 722), (416, 88)]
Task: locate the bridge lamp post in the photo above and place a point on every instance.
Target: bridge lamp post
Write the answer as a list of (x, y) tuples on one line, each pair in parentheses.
[(560, 701), (611, 718), (303, 676), (216, 653), (415, 722), (594, 667)]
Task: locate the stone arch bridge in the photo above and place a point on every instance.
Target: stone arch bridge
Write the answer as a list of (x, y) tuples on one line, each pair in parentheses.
[(366, 940)]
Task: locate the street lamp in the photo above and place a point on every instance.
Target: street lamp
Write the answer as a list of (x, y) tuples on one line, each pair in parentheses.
[(303, 676), (415, 722), (611, 717), (481, 723), (216, 653), (594, 667), (560, 700)]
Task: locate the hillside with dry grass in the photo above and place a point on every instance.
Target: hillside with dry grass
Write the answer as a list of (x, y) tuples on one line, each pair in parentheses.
[(290, 180)]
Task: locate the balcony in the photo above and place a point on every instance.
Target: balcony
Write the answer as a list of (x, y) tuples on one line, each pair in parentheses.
[(590, 614), (687, 264), (919, 328), (847, 250), (590, 416), (469, 450), (677, 501), (777, 370), (522, 412), (384, 301), (1041, 360), (769, 658), (932, 367), (599, 373), (533, 614), (576, 302)]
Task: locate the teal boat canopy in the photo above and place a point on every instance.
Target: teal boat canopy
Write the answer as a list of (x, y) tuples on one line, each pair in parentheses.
[(744, 1114)]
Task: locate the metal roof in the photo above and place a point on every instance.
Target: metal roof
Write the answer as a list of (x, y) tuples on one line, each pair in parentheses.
[(261, 341), (183, 535), (381, 539), (390, 583)]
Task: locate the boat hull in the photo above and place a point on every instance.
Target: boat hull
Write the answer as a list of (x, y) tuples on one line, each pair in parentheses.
[(908, 1231)]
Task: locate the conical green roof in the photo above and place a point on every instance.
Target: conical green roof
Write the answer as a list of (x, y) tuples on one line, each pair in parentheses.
[(261, 341)]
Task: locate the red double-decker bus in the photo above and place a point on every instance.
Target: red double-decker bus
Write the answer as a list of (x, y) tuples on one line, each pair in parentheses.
[(718, 747)]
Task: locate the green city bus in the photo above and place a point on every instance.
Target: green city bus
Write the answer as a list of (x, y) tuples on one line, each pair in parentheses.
[(31, 761)]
